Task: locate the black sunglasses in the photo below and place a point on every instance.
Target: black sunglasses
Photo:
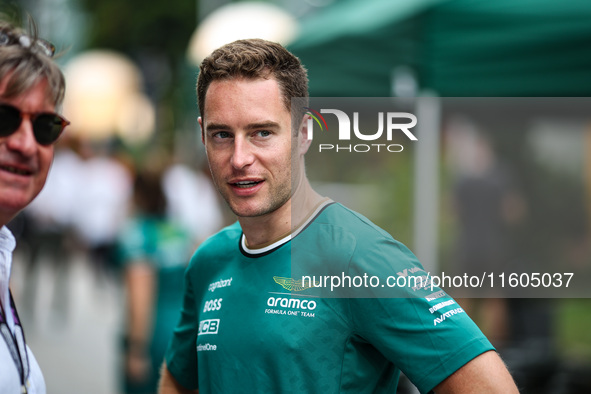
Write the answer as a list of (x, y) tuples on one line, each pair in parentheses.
[(47, 126)]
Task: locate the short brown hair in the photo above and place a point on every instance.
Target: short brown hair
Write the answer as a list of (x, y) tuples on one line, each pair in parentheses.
[(25, 66), (253, 59)]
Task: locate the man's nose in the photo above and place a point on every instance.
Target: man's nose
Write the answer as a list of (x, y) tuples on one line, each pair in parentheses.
[(243, 153), (23, 140)]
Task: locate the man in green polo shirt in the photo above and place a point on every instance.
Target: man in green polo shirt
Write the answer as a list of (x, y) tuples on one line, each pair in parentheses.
[(249, 322)]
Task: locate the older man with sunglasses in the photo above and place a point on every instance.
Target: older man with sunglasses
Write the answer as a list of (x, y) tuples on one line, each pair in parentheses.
[(31, 88)]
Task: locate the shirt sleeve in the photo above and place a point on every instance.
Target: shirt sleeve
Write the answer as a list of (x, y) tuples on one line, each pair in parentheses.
[(420, 329), (181, 356)]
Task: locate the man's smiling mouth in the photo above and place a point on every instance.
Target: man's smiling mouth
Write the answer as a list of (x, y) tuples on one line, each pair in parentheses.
[(15, 170), (246, 184)]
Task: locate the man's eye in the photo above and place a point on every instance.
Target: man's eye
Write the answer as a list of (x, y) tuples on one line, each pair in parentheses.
[(222, 135), (263, 133)]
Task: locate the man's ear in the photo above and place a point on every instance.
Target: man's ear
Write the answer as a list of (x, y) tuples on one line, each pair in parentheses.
[(305, 135), (200, 120)]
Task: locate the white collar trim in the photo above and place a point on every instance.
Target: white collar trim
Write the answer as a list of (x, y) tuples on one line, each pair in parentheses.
[(288, 237)]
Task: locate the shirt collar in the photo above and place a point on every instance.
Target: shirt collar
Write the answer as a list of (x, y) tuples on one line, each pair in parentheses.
[(7, 245), (7, 241)]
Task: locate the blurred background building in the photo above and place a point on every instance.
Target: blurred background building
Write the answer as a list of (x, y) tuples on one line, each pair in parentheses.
[(458, 64)]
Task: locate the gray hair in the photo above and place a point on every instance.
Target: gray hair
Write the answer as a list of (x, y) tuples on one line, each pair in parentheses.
[(23, 64)]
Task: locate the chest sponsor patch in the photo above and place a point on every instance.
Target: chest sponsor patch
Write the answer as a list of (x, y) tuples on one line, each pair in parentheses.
[(219, 284), (290, 306), (290, 284), (209, 326)]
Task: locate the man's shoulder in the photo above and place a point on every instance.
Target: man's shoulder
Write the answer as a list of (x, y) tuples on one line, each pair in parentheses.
[(344, 242), (222, 242), (214, 254), (367, 238), (342, 233), (337, 217)]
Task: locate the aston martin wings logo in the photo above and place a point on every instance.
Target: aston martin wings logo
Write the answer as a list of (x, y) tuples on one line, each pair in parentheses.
[(290, 284)]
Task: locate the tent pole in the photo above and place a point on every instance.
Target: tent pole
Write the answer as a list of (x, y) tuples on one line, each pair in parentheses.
[(426, 182)]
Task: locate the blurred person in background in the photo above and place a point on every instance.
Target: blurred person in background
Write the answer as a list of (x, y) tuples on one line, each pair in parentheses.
[(239, 330), (153, 251), (31, 90), (101, 201), (192, 200), (47, 235)]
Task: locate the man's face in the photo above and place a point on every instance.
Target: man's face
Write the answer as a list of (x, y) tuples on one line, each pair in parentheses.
[(248, 140), (24, 164)]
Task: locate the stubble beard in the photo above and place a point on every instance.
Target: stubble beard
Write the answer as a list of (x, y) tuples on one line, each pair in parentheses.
[(275, 199)]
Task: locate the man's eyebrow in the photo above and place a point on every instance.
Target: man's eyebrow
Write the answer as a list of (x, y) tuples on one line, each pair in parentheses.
[(251, 126), (216, 127), (263, 125)]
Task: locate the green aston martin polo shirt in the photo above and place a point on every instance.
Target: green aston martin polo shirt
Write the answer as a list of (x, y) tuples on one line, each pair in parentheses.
[(250, 324)]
